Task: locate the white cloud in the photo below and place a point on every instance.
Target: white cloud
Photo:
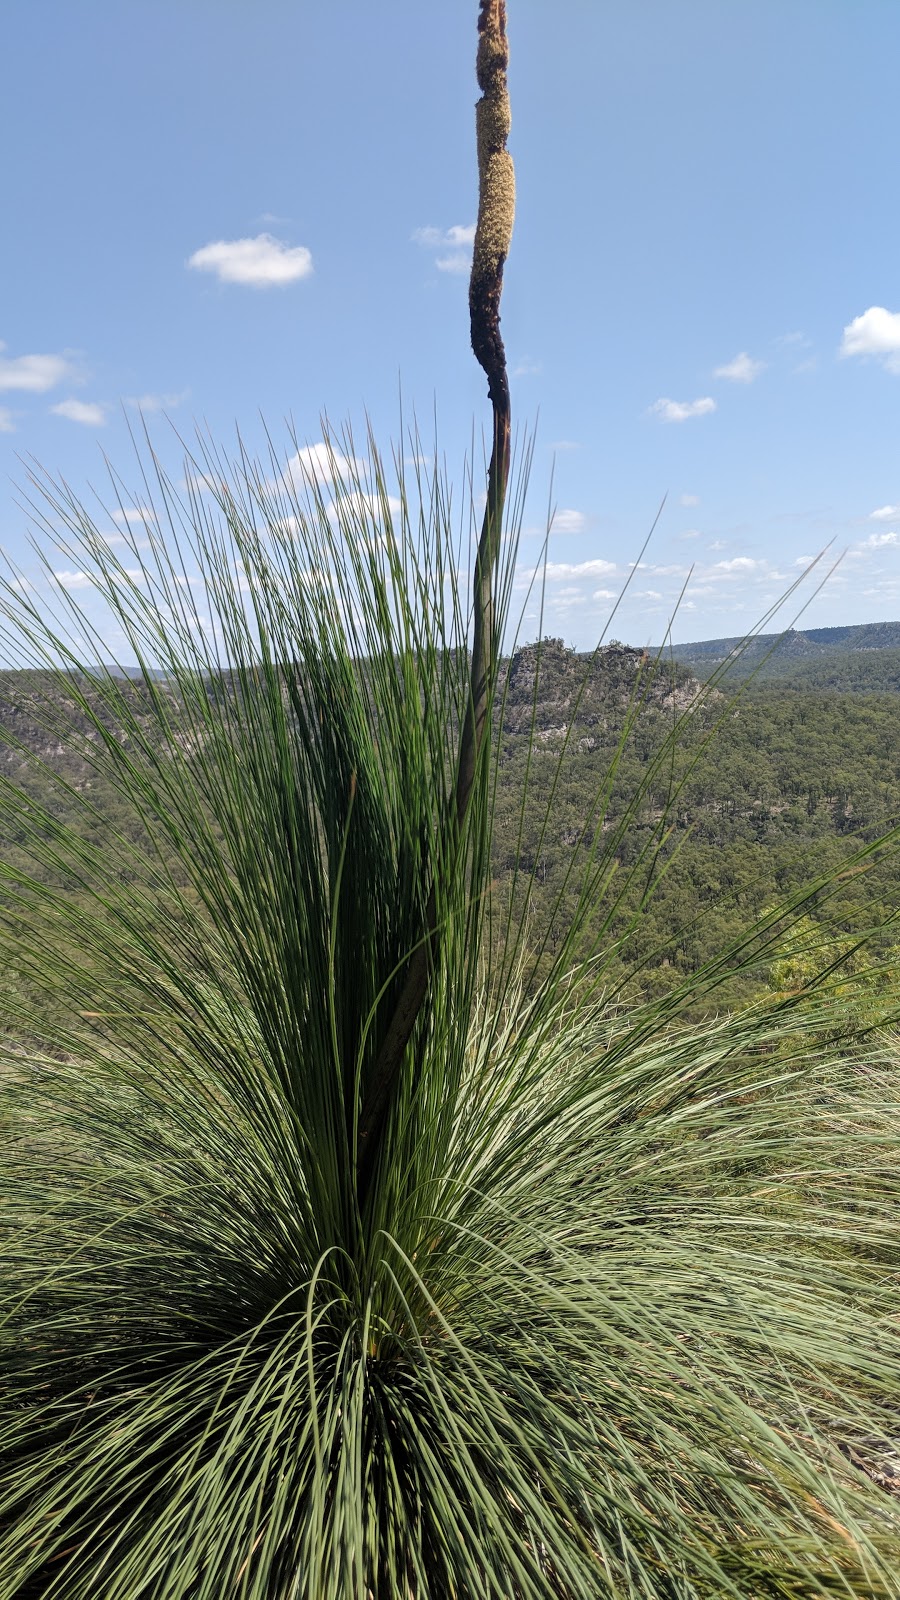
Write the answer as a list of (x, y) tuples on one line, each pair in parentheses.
[(878, 541), (455, 243), (459, 262), (688, 499), (564, 444), (157, 402), (36, 374), (72, 580), (6, 420), (527, 368), (690, 533), (604, 594), (682, 410), (134, 516), (263, 262), (875, 333), (743, 369), (446, 238), (87, 412), (316, 464), (557, 570), (203, 483), (568, 521), (885, 514), (365, 505), (737, 564)]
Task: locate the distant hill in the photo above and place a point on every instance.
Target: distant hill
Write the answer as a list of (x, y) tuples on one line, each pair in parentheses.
[(763, 794), (857, 660)]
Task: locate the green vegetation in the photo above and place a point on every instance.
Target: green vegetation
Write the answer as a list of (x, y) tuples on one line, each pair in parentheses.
[(612, 1309), (865, 658), (762, 795), (397, 1204), (775, 790)]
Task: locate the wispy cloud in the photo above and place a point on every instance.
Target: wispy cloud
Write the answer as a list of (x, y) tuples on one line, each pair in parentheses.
[(876, 333), (260, 263), (688, 499), (527, 368), (454, 245), (157, 402), (88, 412), (457, 237), (885, 514), (731, 585), (7, 424), (134, 517), (880, 541), (682, 410), (72, 580), (557, 571), (457, 262), (738, 564), (35, 373), (742, 369), (203, 483), (568, 521)]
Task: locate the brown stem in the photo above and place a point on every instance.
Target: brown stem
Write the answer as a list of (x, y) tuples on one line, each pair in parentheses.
[(496, 209)]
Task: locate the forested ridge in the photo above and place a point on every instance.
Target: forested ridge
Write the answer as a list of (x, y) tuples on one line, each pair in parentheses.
[(864, 658), (768, 784)]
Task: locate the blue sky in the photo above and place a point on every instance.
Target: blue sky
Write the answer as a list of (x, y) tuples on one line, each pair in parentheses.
[(225, 210)]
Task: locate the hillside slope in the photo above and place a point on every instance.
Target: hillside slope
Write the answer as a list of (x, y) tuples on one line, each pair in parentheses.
[(763, 793), (861, 659)]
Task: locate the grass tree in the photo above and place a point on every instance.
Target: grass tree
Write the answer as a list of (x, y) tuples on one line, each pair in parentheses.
[(339, 1260)]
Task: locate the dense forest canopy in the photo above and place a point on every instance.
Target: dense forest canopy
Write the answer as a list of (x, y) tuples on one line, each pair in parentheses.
[(774, 780)]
